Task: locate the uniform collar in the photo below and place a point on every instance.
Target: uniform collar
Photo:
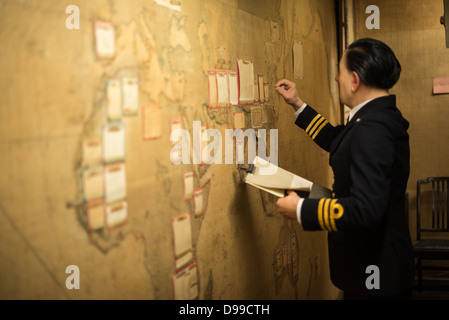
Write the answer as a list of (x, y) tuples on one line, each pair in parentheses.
[(381, 102), (357, 108), (369, 106)]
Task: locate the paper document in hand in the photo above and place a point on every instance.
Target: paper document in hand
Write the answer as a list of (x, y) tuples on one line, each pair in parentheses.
[(278, 182)]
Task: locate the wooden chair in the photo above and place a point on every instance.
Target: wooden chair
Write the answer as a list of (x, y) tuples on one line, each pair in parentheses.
[(432, 194)]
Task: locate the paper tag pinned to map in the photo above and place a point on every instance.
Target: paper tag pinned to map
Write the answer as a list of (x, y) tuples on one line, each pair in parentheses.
[(116, 214), (130, 89), (266, 90), (441, 85), (114, 142), (152, 122), (223, 89), (184, 260), (213, 89), (256, 91), (93, 183), (298, 60), (189, 179), (104, 39), (233, 89), (115, 182), (261, 88), (246, 81), (275, 34), (185, 283), (198, 202), (239, 120), (171, 4), (92, 152), (95, 214), (114, 99), (182, 234), (256, 117)]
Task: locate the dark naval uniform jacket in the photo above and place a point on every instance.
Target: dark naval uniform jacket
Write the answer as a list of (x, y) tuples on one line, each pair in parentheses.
[(365, 219)]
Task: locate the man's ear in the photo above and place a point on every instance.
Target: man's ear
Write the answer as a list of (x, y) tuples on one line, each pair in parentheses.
[(355, 82)]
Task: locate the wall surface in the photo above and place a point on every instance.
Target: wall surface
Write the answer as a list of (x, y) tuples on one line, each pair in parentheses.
[(413, 30), (55, 104)]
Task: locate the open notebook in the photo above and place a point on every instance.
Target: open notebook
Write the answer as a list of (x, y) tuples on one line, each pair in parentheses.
[(272, 179)]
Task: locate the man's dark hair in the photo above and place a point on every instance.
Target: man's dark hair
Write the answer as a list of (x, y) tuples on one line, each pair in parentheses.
[(374, 62)]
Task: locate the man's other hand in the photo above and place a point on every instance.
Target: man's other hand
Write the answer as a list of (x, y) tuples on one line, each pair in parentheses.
[(287, 205), (287, 90)]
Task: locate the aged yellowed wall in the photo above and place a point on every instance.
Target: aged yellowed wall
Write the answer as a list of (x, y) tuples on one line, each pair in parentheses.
[(52, 100), (413, 30)]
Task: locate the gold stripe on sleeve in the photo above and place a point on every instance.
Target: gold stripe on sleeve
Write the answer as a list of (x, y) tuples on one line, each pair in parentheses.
[(312, 123), (317, 124), (320, 214), (336, 212), (326, 214), (319, 129)]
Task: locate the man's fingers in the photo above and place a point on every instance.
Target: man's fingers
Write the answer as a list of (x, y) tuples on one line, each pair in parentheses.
[(279, 83), (282, 89), (283, 83), (279, 204)]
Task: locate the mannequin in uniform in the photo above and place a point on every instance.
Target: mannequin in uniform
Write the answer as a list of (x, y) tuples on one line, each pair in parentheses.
[(366, 222)]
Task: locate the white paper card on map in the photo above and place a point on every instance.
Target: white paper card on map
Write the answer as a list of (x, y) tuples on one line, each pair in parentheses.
[(198, 202), (93, 185), (275, 34), (114, 99), (266, 90), (223, 89), (184, 260), (171, 4), (152, 122), (104, 39), (116, 214), (233, 89), (95, 214), (189, 179), (256, 117), (261, 88), (298, 60), (239, 120), (246, 77), (213, 90), (185, 283), (182, 234), (113, 142), (176, 123), (115, 182), (92, 153), (130, 89), (256, 91)]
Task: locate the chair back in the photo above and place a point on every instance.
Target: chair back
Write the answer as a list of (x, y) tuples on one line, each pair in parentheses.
[(432, 205)]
